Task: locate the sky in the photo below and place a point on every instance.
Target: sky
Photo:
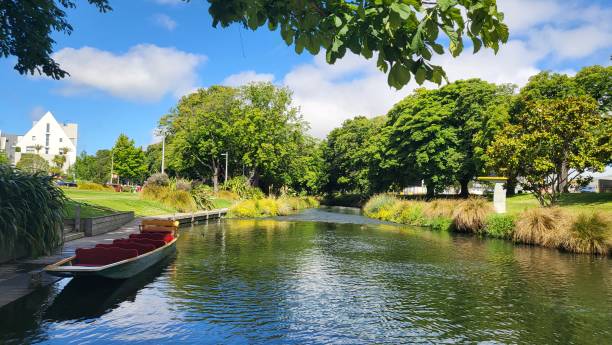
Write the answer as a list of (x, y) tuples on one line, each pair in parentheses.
[(130, 66)]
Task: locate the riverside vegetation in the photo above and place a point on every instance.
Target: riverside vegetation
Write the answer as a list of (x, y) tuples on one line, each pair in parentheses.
[(587, 232)]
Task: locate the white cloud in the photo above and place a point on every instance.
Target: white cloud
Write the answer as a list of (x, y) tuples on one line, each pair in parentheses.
[(37, 112), (247, 77), (144, 73), (164, 21), (329, 94)]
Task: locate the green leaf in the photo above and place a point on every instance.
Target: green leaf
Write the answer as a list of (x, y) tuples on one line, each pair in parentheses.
[(401, 74), (420, 75), (299, 44), (337, 21), (477, 44), (401, 9), (437, 48)]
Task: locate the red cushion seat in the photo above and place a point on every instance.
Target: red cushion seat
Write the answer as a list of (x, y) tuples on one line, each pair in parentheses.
[(156, 243), (142, 248), (102, 256), (164, 236)]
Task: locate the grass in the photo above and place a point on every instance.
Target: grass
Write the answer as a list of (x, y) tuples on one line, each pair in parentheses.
[(87, 210), (97, 201), (574, 203)]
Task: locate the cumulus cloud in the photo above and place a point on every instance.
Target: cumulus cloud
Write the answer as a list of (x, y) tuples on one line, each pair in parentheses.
[(164, 21), (247, 77), (144, 73)]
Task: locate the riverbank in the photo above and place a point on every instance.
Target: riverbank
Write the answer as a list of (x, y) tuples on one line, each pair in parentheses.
[(99, 201), (271, 207), (578, 228)]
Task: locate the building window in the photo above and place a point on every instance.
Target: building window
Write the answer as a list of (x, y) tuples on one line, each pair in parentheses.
[(46, 150), (30, 149), (48, 127), (33, 137), (47, 140), (61, 139)]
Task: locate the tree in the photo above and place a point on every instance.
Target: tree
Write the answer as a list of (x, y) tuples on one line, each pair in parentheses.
[(32, 163), (269, 130), (422, 142), (59, 161), (128, 160), (478, 111), (351, 163), (94, 168), (37, 148), (200, 129), (552, 143), (26, 28), (402, 34), (153, 158)]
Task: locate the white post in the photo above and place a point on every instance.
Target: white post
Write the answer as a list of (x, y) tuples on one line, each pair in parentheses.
[(499, 197), (226, 155)]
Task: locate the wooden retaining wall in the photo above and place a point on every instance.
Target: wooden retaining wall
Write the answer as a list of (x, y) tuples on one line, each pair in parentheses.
[(103, 224)]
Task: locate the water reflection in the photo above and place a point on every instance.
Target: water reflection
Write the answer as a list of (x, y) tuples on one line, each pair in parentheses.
[(346, 279)]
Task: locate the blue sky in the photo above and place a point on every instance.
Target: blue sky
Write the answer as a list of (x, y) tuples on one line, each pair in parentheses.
[(129, 67)]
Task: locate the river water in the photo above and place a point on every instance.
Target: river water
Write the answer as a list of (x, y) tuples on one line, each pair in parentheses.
[(330, 276)]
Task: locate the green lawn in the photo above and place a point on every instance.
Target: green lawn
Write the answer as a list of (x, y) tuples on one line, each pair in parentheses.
[(99, 203), (574, 202)]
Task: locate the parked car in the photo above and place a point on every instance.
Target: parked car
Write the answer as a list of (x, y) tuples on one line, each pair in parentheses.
[(63, 183), (588, 189)]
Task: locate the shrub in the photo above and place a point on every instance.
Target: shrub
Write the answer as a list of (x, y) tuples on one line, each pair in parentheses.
[(378, 203), (94, 186), (178, 199), (589, 233), (543, 226), (500, 225), (31, 211), (158, 179), (311, 201), (267, 207), (283, 206), (240, 186), (411, 214), (182, 184), (203, 197), (227, 195), (127, 189), (244, 209), (471, 214), (441, 223)]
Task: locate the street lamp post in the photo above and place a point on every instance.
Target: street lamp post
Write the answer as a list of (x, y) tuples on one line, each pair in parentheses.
[(226, 158), (163, 151)]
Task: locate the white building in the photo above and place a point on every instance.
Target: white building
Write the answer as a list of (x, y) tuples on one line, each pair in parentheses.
[(47, 138)]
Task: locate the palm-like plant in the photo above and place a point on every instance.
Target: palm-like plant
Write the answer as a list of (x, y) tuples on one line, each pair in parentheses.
[(38, 147), (31, 211)]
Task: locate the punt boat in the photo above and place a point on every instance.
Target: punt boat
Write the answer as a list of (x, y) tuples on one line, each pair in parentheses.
[(124, 258)]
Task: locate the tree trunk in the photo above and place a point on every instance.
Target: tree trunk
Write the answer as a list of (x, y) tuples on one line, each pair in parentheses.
[(430, 191), (464, 193), (563, 185), (254, 177), (511, 186), (215, 178)]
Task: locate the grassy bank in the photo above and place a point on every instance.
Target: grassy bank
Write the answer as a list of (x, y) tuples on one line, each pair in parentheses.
[(270, 207), (98, 201), (581, 224)]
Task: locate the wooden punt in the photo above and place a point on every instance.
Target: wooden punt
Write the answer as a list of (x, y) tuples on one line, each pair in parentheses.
[(117, 270)]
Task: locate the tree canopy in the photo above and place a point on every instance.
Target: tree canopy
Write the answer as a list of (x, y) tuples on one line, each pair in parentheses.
[(552, 143), (32, 163), (26, 32), (128, 160), (402, 35)]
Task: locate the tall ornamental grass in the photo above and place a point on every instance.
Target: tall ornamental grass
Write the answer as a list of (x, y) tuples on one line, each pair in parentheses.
[(590, 234), (179, 199), (31, 212), (541, 226), (471, 215), (380, 206)]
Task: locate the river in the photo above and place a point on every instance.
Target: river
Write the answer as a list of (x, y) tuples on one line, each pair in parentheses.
[(330, 276)]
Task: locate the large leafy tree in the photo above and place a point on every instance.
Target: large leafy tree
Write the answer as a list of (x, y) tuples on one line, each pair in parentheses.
[(271, 130), (26, 29), (403, 35), (200, 128), (94, 168), (353, 156), (422, 142), (552, 143), (597, 82), (128, 160), (478, 111)]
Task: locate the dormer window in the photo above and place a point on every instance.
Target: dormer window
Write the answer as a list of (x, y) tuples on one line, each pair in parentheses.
[(61, 139)]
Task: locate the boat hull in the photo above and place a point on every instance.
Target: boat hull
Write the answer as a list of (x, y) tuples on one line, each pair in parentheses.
[(120, 270)]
